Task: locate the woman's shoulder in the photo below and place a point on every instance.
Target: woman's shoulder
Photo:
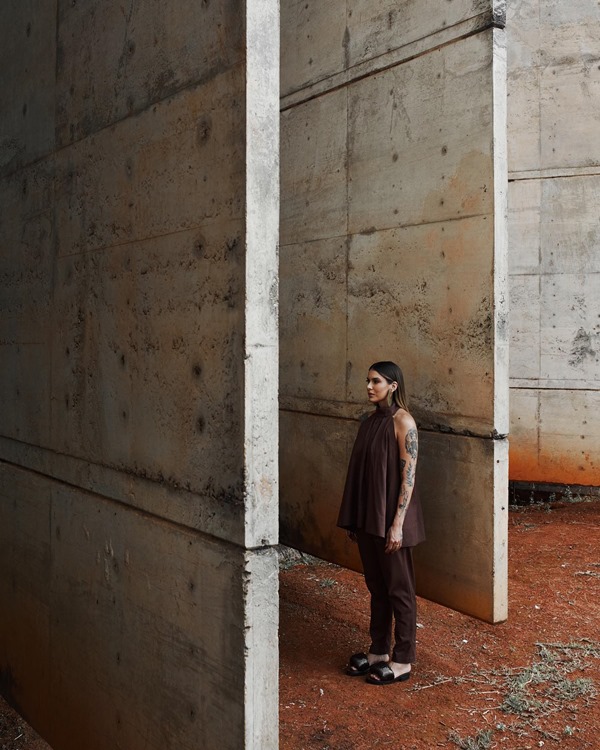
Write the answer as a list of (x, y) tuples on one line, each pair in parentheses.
[(403, 421)]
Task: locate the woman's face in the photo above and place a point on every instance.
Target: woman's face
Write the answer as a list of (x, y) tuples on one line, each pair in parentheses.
[(378, 387)]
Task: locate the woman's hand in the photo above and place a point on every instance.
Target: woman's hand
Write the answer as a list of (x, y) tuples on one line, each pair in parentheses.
[(352, 536), (393, 539)]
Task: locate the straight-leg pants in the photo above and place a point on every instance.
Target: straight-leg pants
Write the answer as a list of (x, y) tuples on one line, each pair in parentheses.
[(390, 579)]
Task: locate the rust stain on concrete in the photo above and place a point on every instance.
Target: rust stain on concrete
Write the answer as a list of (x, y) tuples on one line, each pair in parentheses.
[(526, 465)]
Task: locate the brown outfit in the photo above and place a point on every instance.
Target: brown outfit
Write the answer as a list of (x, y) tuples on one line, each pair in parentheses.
[(369, 504)]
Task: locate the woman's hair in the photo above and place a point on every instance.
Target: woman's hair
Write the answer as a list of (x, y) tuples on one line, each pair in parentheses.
[(392, 373)]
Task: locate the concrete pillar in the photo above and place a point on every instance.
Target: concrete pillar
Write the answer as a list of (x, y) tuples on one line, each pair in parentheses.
[(554, 143), (138, 386), (393, 246)]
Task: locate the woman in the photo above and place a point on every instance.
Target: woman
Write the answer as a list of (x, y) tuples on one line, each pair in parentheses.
[(381, 511)]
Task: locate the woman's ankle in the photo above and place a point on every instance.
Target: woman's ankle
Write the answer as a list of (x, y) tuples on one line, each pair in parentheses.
[(376, 658)]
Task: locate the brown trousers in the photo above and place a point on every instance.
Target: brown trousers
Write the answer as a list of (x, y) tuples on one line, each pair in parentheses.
[(391, 583)]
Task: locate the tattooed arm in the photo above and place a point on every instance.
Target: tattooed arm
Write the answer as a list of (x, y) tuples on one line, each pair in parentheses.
[(408, 446)]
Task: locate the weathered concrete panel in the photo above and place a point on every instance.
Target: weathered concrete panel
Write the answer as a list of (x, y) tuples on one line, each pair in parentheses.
[(553, 73), (313, 40), (312, 481), (375, 28), (408, 162), (406, 298), (555, 436), (466, 568), (322, 39), (27, 223), (568, 226), (313, 322), (26, 282), (25, 559), (554, 234), (123, 340), (393, 224), (142, 659), (313, 175), (177, 166), (139, 307), (150, 293), (27, 94), (452, 567), (525, 322), (25, 388), (524, 124), (570, 327), (524, 434), (524, 203), (570, 435), (96, 574), (115, 61)]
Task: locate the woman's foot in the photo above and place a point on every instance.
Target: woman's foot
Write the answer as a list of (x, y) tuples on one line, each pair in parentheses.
[(393, 672), (360, 664)]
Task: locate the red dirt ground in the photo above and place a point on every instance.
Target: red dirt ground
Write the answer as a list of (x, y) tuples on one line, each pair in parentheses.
[(475, 686)]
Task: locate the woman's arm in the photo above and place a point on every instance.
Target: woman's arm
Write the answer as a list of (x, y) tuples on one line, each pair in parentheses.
[(408, 446)]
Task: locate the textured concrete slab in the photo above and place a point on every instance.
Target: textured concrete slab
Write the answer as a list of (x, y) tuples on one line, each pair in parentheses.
[(175, 167), (376, 28), (313, 322), (553, 73), (569, 435), (25, 559), (465, 569), (393, 226), (570, 327), (140, 657), (120, 342), (554, 434), (114, 61), (408, 163), (321, 39), (525, 323), (553, 237), (312, 482), (313, 175), (27, 94), (568, 226), (138, 301), (313, 40), (462, 483), (405, 298), (524, 203)]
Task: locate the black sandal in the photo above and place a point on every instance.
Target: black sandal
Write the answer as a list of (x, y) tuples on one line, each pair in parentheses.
[(386, 675), (358, 665)]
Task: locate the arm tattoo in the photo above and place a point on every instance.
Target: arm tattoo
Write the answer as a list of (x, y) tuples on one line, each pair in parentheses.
[(407, 469), (403, 501), (411, 442)]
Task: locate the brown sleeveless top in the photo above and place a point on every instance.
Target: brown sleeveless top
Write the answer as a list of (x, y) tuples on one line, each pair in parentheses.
[(373, 482)]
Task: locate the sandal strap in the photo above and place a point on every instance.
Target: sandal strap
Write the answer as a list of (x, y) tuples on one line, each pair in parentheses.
[(382, 670), (358, 661)]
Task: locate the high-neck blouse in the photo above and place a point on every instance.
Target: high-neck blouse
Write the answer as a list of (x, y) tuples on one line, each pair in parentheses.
[(372, 489)]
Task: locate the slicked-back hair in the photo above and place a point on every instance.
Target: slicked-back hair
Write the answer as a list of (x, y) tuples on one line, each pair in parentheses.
[(393, 374)]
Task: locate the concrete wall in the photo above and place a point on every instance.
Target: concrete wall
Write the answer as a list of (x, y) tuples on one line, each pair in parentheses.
[(138, 386), (393, 246), (554, 147)]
